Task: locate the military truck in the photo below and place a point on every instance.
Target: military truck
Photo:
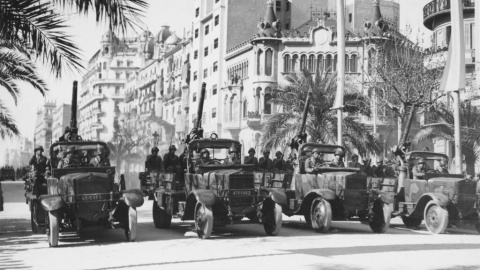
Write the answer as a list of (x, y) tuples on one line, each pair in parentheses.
[(7, 173), (214, 193), (439, 199), (82, 197)]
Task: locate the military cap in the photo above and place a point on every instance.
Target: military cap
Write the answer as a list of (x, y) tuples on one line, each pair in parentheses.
[(443, 162), (278, 153), (421, 161), (266, 151), (339, 152), (39, 147), (155, 149), (204, 150), (172, 147), (251, 150), (316, 150)]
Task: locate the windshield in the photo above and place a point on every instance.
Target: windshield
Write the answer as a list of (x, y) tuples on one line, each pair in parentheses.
[(74, 154), (213, 153)]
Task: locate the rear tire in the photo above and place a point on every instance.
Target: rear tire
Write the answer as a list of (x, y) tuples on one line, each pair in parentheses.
[(412, 222), (436, 218), (53, 228), (35, 229), (131, 225), (320, 215), (380, 218), (161, 219), (203, 220), (273, 222)]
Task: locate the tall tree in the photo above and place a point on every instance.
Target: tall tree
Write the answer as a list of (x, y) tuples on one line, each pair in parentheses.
[(321, 123), (442, 127)]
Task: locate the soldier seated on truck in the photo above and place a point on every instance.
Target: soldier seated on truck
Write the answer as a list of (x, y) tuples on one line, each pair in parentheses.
[(278, 164), (265, 163), (338, 159), (68, 160), (171, 161), (442, 168), (418, 171), (233, 157), (251, 159), (154, 163), (101, 160), (314, 162)]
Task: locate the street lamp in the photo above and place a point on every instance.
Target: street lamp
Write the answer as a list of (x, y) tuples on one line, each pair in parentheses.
[(155, 138), (147, 147)]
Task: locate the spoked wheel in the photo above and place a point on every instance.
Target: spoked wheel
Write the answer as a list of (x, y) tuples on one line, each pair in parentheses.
[(273, 218), (160, 217), (321, 215), (436, 218), (131, 225), (412, 222), (380, 217), (53, 228), (203, 220)]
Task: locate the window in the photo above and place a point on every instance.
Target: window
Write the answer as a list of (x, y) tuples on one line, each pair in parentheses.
[(99, 89), (216, 1), (99, 75), (194, 97), (129, 63), (217, 19), (350, 17), (207, 29), (214, 113), (119, 63), (278, 6), (197, 12), (215, 66), (195, 76), (214, 90), (259, 62), (117, 75), (268, 62), (117, 90), (205, 73), (104, 65), (215, 43), (196, 33), (286, 63), (127, 75), (353, 63), (287, 8), (287, 26), (267, 107), (195, 54), (245, 109), (205, 51)]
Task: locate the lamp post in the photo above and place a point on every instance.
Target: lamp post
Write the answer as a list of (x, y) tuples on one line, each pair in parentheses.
[(155, 138), (147, 146)]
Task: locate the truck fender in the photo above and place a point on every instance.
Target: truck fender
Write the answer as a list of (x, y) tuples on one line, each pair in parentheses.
[(326, 194), (386, 197), (51, 202), (205, 197), (440, 199), (277, 195), (133, 197)]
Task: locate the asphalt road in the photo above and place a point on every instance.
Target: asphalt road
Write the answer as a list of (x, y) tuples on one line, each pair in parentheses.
[(349, 245)]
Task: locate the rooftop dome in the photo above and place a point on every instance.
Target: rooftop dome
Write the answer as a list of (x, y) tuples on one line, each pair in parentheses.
[(109, 36), (173, 40), (145, 35), (148, 47), (163, 34)]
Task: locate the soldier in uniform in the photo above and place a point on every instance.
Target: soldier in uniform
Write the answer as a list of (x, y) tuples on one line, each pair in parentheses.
[(278, 164), (251, 159), (338, 158), (65, 135), (314, 162), (171, 161), (233, 157), (442, 168), (39, 162), (354, 163), (154, 162), (292, 163), (265, 163), (418, 171), (68, 160), (204, 157), (101, 160)]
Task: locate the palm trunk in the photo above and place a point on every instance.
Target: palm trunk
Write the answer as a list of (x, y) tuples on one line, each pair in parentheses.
[(469, 160)]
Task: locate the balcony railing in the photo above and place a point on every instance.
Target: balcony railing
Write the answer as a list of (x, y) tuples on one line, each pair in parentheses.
[(442, 6)]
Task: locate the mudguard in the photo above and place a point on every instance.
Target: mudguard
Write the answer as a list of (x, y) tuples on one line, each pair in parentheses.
[(51, 202), (440, 199), (326, 194), (278, 195), (386, 197), (133, 197), (205, 197)]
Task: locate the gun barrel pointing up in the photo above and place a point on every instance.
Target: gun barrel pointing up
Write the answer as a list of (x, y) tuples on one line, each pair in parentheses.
[(200, 106)]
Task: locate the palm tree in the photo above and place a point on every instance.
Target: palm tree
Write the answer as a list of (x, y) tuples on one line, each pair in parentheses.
[(322, 121), (443, 128)]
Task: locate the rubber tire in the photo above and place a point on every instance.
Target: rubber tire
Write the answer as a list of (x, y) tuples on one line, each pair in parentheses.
[(308, 220), (380, 220), (53, 228), (161, 219), (272, 227), (412, 222), (436, 218), (203, 220), (320, 215), (131, 225)]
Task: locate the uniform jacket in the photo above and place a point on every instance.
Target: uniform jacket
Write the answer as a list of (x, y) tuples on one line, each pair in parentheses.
[(251, 160), (230, 161), (40, 165), (417, 172), (278, 164), (154, 163), (265, 164), (313, 163), (339, 164), (99, 162), (170, 161), (63, 163)]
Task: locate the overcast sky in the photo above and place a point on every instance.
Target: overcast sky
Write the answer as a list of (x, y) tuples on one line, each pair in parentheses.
[(177, 14)]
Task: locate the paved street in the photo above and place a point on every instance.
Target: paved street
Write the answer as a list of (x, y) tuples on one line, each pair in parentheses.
[(350, 245)]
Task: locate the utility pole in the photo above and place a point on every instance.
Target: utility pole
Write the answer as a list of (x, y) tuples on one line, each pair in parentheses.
[(340, 68)]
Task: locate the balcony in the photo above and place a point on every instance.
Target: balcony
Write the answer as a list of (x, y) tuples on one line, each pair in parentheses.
[(256, 120), (172, 95), (90, 99), (96, 111), (97, 126), (441, 7)]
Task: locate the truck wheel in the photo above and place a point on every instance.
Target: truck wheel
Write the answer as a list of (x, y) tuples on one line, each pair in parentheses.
[(308, 220), (131, 225), (35, 229), (53, 228), (380, 218), (436, 218), (203, 220), (160, 217), (273, 222), (412, 222), (321, 215)]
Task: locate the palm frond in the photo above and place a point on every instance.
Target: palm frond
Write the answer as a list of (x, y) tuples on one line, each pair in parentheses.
[(8, 128)]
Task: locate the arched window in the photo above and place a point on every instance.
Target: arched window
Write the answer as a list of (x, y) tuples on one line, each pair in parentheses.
[(320, 64), (353, 63), (311, 63), (303, 62), (245, 109), (328, 63), (335, 62), (347, 63), (257, 99), (226, 109), (294, 63), (371, 61), (286, 63), (259, 62), (267, 107), (268, 62)]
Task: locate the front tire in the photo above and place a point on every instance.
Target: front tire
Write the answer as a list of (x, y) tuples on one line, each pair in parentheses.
[(161, 219), (412, 222), (380, 218), (273, 222), (321, 215), (203, 220), (53, 228), (436, 218), (131, 225)]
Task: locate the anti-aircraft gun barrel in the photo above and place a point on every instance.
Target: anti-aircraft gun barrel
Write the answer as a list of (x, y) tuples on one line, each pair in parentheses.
[(305, 112), (198, 124), (73, 121), (301, 136)]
